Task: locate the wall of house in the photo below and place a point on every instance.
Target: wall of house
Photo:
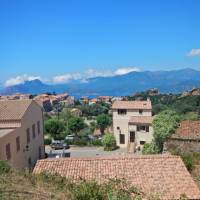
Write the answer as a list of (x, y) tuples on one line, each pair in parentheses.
[(142, 135), (187, 146), (122, 121), (20, 159)]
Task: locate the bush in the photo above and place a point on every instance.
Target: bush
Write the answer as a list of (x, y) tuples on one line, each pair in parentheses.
[(96, 142), (4, 167), (109, 142), (47, 141), (150, 148), (80, 142)]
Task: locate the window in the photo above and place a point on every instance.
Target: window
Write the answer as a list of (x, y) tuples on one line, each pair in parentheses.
[(29, 163), (142, 142), (17, 144), (40, 152), (140, 111), (143, 128), (121, 111), (28, 135), (8, 152), (38, 127), (33, 131), (122, 138), (118, 128)]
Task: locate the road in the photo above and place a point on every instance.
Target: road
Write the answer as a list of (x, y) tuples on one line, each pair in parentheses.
[(85, 152)]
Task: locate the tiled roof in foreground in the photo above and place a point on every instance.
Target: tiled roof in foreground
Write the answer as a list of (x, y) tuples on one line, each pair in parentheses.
[(165, 175), (132, 105)]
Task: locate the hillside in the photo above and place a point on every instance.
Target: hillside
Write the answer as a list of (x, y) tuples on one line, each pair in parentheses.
[(175, 81)]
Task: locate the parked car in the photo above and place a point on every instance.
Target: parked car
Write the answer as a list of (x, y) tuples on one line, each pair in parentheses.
[(59, 144), (70, 137)]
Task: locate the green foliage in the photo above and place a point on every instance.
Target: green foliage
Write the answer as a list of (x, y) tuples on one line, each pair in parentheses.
[(164, 125), (109, 142), (150, 148), (4, 167), (103, 121), (96, 142), (75, 124), (94, 109), (47, 141), (189, 159), (55, 128)]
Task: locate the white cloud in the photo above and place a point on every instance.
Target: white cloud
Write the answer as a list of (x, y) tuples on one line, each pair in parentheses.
[(194, 52), (126, 70), (66, 78), (20, 79)]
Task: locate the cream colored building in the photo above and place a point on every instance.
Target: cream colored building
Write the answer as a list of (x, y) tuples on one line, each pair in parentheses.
[(132, 123), (21, 133)]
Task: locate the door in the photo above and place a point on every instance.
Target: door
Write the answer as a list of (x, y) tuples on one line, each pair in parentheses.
[(132, 136)]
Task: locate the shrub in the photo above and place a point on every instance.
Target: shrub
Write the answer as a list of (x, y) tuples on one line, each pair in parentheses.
[(47, 141), (96, 142), (150, 148), (109, 142), (4, 167), (80, 142)]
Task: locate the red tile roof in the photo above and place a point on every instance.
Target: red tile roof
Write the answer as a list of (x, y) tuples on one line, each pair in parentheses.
[(132, 105), (165, 175), (188, 130), (141, 120)]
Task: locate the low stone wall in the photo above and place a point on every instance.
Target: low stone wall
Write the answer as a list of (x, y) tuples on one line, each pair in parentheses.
[(187, 146)]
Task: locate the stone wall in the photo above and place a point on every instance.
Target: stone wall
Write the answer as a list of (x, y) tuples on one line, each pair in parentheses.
[(187, 146)]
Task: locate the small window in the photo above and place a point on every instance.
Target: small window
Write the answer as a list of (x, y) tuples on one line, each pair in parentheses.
[(8, 151), (17, 144), (143, 128), (142, 142), (28, 135), (118, 128), (122, 111), (140, 111), (33, 131), (38, 127), (122, 138), (40, 152), (29, 163)]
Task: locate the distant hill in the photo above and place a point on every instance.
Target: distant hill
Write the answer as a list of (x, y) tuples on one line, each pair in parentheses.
[(175, 81)]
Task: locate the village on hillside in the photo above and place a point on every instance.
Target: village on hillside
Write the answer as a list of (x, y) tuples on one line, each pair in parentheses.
[(150, 140)]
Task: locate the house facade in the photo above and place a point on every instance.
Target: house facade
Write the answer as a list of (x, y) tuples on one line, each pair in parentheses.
[(21, 133), (132, 123)]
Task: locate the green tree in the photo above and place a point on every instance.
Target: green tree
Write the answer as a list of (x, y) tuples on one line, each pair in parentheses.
[(109, 142), (55, 128), (103, 121), (164, 124), (75, 124), (150, 148)]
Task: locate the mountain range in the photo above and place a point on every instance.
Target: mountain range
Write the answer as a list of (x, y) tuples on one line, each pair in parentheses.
[(174, 81)]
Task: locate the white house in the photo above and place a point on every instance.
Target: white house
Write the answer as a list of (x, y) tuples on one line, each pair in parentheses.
[(132, 123)]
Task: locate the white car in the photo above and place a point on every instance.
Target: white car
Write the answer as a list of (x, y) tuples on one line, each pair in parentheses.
[(69, 137)]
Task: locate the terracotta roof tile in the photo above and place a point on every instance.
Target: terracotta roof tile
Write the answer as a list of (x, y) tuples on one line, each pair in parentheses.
[(141, 120), (132, 105), (188, 130), (161, 174)]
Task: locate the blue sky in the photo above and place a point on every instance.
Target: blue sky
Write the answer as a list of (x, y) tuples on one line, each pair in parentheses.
[(59, 38)]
